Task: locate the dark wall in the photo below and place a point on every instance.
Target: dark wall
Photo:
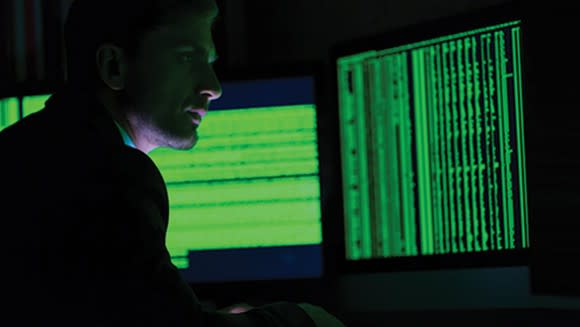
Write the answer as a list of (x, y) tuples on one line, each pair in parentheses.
[(554, 158), (303, 30)]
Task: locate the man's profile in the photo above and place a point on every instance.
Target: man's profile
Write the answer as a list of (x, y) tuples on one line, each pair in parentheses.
[(86, 210)]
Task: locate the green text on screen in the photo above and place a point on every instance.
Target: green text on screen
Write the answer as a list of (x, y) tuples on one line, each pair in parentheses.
[(432, 141)]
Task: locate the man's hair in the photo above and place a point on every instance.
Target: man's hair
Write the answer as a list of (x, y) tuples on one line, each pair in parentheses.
[(91, 23)]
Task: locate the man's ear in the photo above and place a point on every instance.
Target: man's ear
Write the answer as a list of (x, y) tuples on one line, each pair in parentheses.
[(112, 66)]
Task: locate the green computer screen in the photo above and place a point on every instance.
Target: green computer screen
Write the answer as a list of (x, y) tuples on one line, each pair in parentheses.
[(432, 137), (33, 103), (9, 112), (10, 108), (245, 202), (251, 181)]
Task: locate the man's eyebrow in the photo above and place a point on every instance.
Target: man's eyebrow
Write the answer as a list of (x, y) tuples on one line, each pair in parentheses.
[(193, 46), (188, 45)]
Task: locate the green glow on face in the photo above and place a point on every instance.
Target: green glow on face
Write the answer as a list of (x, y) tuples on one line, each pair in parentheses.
[(8, 112), (32, 104), (251, 181), (433, 146)]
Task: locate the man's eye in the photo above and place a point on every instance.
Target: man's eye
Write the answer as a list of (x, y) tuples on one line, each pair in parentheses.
[(187, 57)]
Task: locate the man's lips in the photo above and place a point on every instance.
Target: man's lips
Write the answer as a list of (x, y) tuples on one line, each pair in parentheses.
[(197, 117)]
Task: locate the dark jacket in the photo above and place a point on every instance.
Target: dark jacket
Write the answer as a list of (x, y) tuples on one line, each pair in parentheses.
[(84, 222)]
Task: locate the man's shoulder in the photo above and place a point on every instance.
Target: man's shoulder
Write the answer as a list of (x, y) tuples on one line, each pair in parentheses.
[(70, 148), (132, 166), (18, 132)]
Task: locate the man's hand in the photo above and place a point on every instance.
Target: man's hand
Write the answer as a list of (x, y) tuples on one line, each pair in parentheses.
[(320, 316)]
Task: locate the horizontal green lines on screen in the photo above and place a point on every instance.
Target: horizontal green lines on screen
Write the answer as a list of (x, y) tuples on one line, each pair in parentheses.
[(235, 139), (241, 171), (235, 236), (230, 164), (179, 243), (295, 222), (264, 119), (248, 152), (247, 143), (272, 212), (258, 203), (290, 159), (250, 222), (251, 181), (248, 190), (208, 146)]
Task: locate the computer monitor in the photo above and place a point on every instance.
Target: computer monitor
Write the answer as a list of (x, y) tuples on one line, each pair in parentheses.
[(432, 143), (245, 203), (436, 183)]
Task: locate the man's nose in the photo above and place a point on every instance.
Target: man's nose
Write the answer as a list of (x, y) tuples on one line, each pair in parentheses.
[(212, 93), (212, 89)]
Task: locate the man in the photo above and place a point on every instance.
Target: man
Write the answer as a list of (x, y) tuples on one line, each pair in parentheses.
[(86, 211)]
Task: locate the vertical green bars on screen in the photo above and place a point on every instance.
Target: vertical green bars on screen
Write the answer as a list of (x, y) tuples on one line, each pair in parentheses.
[(433, 146), (9, 112)]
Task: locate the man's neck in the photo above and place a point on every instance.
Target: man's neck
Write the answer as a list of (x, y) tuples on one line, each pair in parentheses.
[(128, 131)]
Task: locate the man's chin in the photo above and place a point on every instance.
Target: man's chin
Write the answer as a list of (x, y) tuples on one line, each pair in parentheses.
[(185, 144), (178, 143), (181, 146)]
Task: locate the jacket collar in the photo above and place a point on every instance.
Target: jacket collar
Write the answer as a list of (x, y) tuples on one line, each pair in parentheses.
[(82, 109)]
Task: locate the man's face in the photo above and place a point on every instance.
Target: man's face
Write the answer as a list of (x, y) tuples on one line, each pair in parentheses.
[(171, 81)]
